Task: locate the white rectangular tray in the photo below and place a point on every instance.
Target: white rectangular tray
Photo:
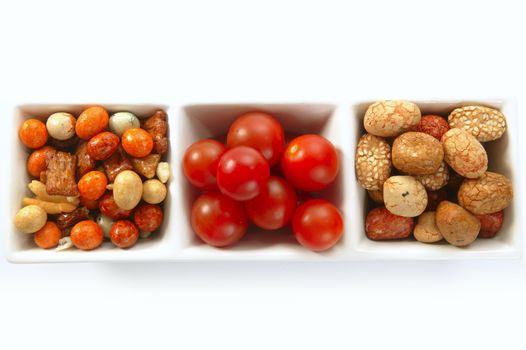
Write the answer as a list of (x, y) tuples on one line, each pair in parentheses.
[(341, 123)]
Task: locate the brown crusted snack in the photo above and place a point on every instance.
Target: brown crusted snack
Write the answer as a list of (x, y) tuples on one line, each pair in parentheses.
[(458, 226), (486, 124), (433, 125), (60, 174), (490, 193), (391, 118), (115, 164), (381, 224), (376, 195), (490, 224), (404, 196), (417, 153), (464, 153), (157, 126), (63, 145), (437, 180), (66, 220), (146, 166), (426, 229), (373, 162), (85, 163)]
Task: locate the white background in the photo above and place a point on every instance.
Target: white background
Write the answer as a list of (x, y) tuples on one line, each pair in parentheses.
[(152, 51)]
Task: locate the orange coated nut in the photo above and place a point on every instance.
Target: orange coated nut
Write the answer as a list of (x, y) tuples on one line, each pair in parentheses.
[(91, 121), (124, 234), (86, 235), (137, 142), (92, 185), (36, 163), (33, 133), (148, 217), (48, 236), (91, 204), (433, 125), (102, 146)]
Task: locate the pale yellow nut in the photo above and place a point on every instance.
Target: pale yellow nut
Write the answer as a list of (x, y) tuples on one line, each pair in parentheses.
[(30, 219), (50, 207), (39, 189), (163, 172), (154, 191)]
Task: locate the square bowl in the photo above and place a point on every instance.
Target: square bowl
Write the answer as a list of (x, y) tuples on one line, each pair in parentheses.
[(503, 156), (201, 121), (20, 247)]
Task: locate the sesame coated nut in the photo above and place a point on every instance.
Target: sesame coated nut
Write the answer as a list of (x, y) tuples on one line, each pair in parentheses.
[(490, 193), (373, 162), (417, 153), (391, 118), (464, 153), (437, 180), (486, 124)]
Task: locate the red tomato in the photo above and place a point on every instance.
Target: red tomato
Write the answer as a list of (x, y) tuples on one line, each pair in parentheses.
[(218, 220), (258, 130), (148, 217), (124, 233), (317, 224), (310, 163), (242, 173), (274, 207), (200, 163), (108, 207)]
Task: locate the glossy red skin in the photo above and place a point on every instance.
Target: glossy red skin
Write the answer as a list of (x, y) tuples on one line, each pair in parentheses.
[(381, 224), (274, 206), (490, 224), (200, 163), (242, 173), (218, 220), (433, 125), (260, 131), (124, 234), (102, 145), (310, 163), (317, 225), (86, 235), (108, 207), (148, 217)]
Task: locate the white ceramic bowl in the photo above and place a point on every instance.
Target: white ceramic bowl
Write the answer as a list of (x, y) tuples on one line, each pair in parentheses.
[(341, 123)]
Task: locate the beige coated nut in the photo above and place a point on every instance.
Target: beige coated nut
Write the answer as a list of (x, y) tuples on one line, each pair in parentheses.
[(61, 126), (458, 226), (437, 180), (417, 153), (488, 194), (154, 191), (373, 162), (391, 118), (426, 230), (163, 172), (127, 190), (486, 124), (30, 219), (464, 153), (404, 196)]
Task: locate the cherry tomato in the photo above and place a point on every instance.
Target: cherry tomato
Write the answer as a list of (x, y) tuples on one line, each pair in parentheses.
[(317, 224), (218, 220), (102, 146), (36, 163), (200, 163), (274, 206), (86, 235), (108, 207), (137, 142), (310, 162), (92, 185), (33, 133), (148, 217), (48, 236), (89, 203), (91, 121), (242, 173), (258, 130), (124, 233)]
